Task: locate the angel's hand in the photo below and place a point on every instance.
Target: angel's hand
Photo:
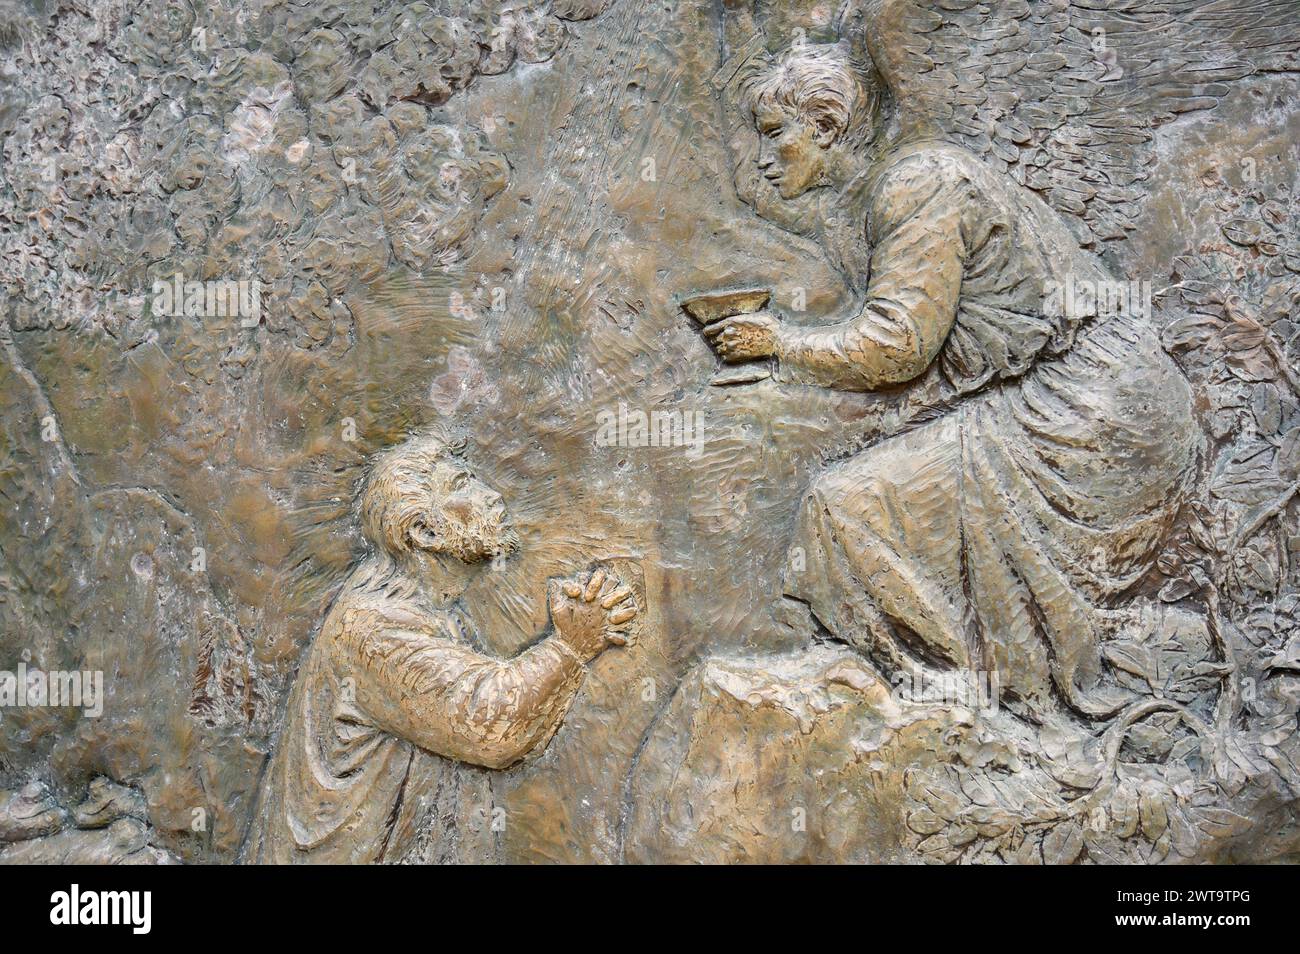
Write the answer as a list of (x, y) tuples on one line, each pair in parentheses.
[(744, 337)]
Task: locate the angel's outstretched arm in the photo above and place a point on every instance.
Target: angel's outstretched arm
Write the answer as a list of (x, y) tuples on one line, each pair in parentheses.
[(919, 252)]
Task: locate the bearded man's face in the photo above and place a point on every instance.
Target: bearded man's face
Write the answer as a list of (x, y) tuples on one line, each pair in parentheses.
[(467, 517)]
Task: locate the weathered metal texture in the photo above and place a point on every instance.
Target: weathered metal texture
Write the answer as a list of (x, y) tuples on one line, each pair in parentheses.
[(608, 431)]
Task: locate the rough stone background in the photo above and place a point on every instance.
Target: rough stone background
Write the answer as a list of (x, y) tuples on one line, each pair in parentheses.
[(307, 145)]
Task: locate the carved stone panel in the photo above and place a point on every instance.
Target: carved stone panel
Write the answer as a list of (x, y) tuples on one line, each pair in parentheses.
[(622, 432)]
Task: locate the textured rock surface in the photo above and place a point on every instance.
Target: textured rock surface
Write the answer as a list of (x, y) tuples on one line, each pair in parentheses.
[(483, 215), (784, 759)]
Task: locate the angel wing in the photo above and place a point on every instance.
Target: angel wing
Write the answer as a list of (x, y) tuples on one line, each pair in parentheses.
[(1066, 95)]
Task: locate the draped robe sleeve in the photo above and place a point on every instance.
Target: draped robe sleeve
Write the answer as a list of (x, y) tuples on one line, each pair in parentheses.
[(918, 228), (452, 701)]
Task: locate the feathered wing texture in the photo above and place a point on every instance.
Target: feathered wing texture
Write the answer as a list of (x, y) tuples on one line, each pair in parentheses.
[(1065, 95)]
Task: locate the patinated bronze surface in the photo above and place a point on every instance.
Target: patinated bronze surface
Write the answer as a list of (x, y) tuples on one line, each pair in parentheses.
[(605, 431)]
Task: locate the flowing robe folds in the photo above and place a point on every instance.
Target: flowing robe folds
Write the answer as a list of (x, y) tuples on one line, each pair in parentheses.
[(392, 708), (988, 536)]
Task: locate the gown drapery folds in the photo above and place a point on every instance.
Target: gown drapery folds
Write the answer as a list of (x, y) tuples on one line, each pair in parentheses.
[(991, 537)]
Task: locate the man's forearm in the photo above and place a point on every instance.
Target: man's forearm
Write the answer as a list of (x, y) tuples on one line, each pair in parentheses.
[(509, 708), (443, 696)]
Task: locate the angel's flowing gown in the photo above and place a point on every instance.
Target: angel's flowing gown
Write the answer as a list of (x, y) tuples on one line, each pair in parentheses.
[(988, 537)]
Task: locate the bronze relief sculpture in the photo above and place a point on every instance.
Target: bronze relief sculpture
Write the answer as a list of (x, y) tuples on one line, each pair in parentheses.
[(955, 521), (1061, 446), (394, 678)]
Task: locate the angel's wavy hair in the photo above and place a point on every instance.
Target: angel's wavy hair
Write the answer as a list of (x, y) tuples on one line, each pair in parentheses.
[(824, 84)]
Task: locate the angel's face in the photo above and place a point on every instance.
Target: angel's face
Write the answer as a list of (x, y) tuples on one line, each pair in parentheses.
[(790, 155)]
